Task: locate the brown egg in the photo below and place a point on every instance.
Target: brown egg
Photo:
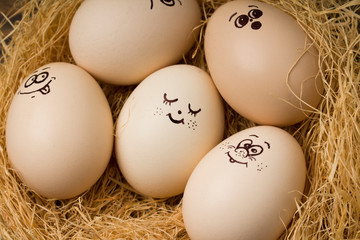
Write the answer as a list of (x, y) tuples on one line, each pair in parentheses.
[(262, 63)]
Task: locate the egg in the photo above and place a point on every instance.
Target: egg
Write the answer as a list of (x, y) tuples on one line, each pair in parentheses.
[(246, 187), (122, 42), (59, 131), (263, 63), (168, 123)]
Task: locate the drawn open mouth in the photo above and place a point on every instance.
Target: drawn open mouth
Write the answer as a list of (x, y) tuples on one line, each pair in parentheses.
[(174, 120), (46, 89), (232, 160)]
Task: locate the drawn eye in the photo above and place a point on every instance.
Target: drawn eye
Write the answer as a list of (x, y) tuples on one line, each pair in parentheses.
[(246, 144), (255, 13), (241, 21), (41, 77), (170, 3), (30, 81), (192, 112), (255, 150), (168, 101)]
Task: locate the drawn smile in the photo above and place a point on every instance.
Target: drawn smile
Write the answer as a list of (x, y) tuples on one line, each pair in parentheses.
[(232, 160), (174, 120), (44, 90)]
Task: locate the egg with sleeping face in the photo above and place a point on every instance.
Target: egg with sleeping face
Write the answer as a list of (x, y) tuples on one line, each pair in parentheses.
[(169, 122)]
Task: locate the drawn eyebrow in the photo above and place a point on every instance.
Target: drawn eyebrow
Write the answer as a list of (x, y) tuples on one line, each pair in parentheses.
[(253, 6), (253, 135), (45, 68), (268, 144), (232, 16)]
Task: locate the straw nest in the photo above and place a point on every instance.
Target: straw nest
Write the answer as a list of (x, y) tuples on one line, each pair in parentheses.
[(330, 208)]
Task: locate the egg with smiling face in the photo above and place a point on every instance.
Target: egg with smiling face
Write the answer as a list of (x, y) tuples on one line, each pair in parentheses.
[(39, 81), (169, 122), (246, 187), (245, 151), (263, 63), (59, 131)]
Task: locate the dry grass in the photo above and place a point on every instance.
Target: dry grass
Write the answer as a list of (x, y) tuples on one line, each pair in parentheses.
[(110, 210)]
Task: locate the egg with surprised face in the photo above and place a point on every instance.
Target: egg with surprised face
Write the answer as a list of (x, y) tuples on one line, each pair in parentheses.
[(169, 122), (263, 63), (246, 187)]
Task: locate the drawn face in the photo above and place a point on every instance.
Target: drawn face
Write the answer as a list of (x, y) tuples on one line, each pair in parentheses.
[(180, 116), (246, 151), (39, 81), (168, 3), (243, 19)]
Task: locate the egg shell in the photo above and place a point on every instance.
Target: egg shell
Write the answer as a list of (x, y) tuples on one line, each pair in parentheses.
[(59, 132), (122, 42), (245, 187), (263, 63), (169, 122)]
